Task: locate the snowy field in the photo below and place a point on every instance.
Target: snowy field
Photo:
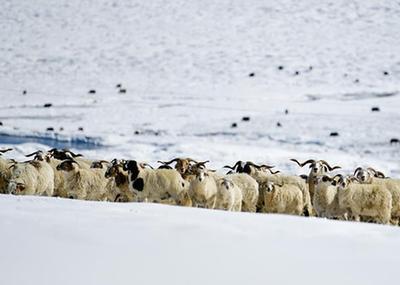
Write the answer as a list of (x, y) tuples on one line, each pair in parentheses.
[(186, 67)]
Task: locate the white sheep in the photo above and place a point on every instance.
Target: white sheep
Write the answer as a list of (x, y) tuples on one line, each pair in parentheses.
[(317, 168), (31, 178), (326, 198), (371, 176), (154, 185), (203, 189), (229, 195), (282, 199), (249, 187), (82, 183), (59, 189), (367, 200), (280, 179), (5, 171)]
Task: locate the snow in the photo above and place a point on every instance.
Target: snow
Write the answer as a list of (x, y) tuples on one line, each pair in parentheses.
[(47, 241), (185, 66)]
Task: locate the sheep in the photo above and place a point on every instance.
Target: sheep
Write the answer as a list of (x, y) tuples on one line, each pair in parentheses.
[(82, 183), (317, 168), (203, 189), (5, 172), (262, 178), (229, 195), (282, 199), (326, 200), (117, 188), (59, 189), (249, 187), (371, 176), (154, 185), (368, 200), (182, 165), (31, 178)]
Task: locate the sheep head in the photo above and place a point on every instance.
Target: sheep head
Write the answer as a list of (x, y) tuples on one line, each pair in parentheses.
[(318, 167), (67, 165), (99, 164)]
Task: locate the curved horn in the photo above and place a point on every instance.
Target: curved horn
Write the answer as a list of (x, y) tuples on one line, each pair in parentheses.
[(33, 153), (202, 162), (144, 164), (358, 169), (230, 167), (169, 162), (329, 167), (273, 172), (380, 174), (5, 150), (253, 164), (266, 166), (304, 163)]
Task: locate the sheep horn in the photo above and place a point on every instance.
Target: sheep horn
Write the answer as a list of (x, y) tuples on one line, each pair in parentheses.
[(304, 163), (380, 174), (230, 167), (330, 167), (253, 164), (33, 153), (358, 169), (273, 172), (144, 164), (266, 166), (169, 162), (5, 150)]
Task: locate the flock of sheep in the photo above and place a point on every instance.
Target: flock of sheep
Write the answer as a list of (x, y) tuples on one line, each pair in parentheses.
[(366, 195)]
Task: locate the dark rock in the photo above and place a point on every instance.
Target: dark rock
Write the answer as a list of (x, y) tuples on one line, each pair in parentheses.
[(246, 119), (122, 91), (252, 74), (50, 129), (334, 134), (80, 129), (24, 92), (280, 67), (375, 109), (234, 125), (92, 91), (394, 141), (278, 124), (47, 105), (286, 111)]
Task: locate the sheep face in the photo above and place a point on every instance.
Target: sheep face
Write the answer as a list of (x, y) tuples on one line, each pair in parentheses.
[(364, 175), (111, 171), (201, 175), (270, 187), (225, 184), (67, 165), (182, 166), (318, 168)]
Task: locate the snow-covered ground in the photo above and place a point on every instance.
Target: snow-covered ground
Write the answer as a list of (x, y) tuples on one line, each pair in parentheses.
[(58, 241), (185, 65)]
